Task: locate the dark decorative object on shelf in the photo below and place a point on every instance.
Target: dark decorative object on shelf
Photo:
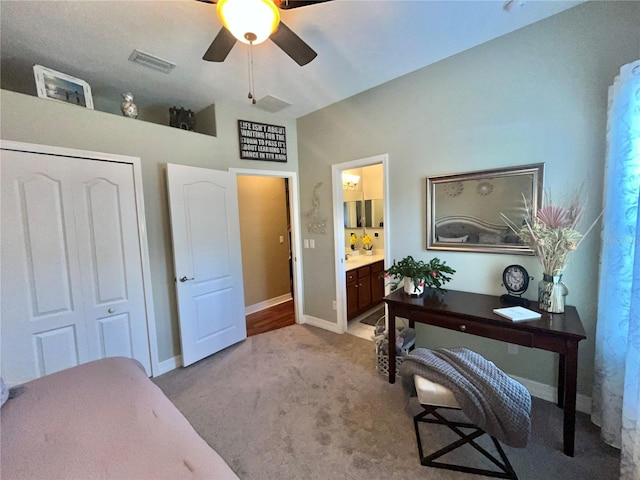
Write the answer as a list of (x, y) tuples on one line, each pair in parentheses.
[(181, 118)]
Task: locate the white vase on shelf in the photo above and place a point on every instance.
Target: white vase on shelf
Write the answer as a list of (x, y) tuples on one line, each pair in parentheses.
[(129, 109)]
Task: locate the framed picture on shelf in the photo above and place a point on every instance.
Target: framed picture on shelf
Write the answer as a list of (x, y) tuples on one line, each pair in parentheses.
[(62, 87)]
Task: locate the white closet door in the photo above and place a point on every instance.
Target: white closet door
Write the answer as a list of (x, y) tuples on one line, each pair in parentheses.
[(111, 266), (71, 283)]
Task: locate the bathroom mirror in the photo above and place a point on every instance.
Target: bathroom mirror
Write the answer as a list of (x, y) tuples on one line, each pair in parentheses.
[(464, 210), (373, 213), (353, 214)]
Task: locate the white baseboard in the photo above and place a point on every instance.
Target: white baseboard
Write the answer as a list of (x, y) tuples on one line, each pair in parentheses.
[(320, 323), (550, 394), (272, 302), (168, 365)]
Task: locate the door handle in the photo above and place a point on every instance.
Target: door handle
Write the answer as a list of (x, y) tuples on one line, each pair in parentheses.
[(185, 279)]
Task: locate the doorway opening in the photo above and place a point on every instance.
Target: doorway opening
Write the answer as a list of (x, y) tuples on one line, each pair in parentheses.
[(268, 206), (363, 289)]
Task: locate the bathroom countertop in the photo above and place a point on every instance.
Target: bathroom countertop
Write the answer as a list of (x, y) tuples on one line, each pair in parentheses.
[(362, 260)]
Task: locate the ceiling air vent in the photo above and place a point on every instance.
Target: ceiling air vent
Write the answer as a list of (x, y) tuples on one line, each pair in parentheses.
[(152, 62), (271, 104)]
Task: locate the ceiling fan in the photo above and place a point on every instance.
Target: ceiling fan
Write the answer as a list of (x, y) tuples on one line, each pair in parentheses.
[(242, 11)]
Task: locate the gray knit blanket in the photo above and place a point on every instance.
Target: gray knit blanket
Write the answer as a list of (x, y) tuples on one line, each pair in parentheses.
[(492, 400)]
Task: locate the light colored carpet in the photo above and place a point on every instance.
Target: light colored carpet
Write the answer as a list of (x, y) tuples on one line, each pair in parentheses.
[(304, 403)]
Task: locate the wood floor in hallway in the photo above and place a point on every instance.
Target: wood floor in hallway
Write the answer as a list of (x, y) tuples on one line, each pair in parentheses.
[(272, 318)]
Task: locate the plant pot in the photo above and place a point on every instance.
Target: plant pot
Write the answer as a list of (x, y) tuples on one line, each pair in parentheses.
[(368, 252), (411, 289)]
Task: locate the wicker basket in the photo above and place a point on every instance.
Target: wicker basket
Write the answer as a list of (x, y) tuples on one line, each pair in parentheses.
[(382, 359), (383, 362)]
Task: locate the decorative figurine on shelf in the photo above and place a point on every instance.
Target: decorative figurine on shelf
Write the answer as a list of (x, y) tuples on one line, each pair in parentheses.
[(181, 118), (129, 109)]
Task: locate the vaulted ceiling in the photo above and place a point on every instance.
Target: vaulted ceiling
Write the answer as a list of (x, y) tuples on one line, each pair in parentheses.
[(360, 44)]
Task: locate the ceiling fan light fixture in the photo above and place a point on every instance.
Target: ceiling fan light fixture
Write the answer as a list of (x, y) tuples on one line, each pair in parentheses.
[(250, 21)]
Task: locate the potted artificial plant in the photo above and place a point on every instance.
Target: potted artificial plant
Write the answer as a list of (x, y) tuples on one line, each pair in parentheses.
[(416, 274)]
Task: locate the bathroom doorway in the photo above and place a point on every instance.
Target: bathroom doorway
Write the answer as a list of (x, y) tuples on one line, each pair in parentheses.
[(369, 218)]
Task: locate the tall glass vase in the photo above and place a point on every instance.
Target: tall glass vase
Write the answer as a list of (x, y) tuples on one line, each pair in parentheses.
[(551, 293)]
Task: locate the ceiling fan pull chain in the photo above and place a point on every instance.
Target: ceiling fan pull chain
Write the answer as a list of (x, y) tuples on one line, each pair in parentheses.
[(251, 95)]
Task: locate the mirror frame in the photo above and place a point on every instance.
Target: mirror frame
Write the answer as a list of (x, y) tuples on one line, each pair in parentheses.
[(537, 178)]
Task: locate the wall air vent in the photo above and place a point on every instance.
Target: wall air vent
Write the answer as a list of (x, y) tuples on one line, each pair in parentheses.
[(149, 61)]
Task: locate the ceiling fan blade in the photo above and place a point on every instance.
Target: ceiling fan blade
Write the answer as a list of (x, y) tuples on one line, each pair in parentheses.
[(220, 47), (289, 4), (293, 45)]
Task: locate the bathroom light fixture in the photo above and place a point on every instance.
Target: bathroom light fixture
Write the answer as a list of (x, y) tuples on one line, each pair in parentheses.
[(350, 181), (250, 21)]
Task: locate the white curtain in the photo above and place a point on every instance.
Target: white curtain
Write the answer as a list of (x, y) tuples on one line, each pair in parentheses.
[(616, 390)]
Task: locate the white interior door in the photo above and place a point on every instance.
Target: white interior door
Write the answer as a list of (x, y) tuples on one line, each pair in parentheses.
[(207, 259), (72, 288)]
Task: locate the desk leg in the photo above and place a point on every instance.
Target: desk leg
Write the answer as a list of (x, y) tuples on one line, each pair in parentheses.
[(392, 345), (561, 381), (570, 382)]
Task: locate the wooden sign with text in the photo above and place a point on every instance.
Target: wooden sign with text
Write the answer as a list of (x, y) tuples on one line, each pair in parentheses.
[(259, 141)]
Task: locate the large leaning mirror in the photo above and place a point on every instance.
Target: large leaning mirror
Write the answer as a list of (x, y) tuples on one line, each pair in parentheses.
[(464, 210)]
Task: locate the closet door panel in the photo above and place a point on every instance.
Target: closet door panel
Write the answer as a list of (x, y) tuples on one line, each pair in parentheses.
[(71, 288), (115, 336), (45, 244), (42, 304), (109, 248), (106, 236), (56, 349)]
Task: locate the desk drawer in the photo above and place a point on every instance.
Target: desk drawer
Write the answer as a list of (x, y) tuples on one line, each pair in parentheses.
[(487, 330)]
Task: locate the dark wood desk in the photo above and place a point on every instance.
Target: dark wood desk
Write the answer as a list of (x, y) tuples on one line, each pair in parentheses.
[(472, 313)]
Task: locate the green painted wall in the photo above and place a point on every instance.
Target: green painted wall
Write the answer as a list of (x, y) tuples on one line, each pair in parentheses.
[(30, 119), (536, 95)]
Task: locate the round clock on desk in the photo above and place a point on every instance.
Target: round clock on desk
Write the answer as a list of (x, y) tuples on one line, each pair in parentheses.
[(516, 280)]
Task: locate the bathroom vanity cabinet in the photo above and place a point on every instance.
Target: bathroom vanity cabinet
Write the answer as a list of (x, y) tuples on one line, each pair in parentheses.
[(364, 288)]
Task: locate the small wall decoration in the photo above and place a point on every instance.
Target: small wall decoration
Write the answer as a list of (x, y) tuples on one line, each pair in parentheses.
[(62, 87), (259, 141), (181, 118), (317, 223)]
